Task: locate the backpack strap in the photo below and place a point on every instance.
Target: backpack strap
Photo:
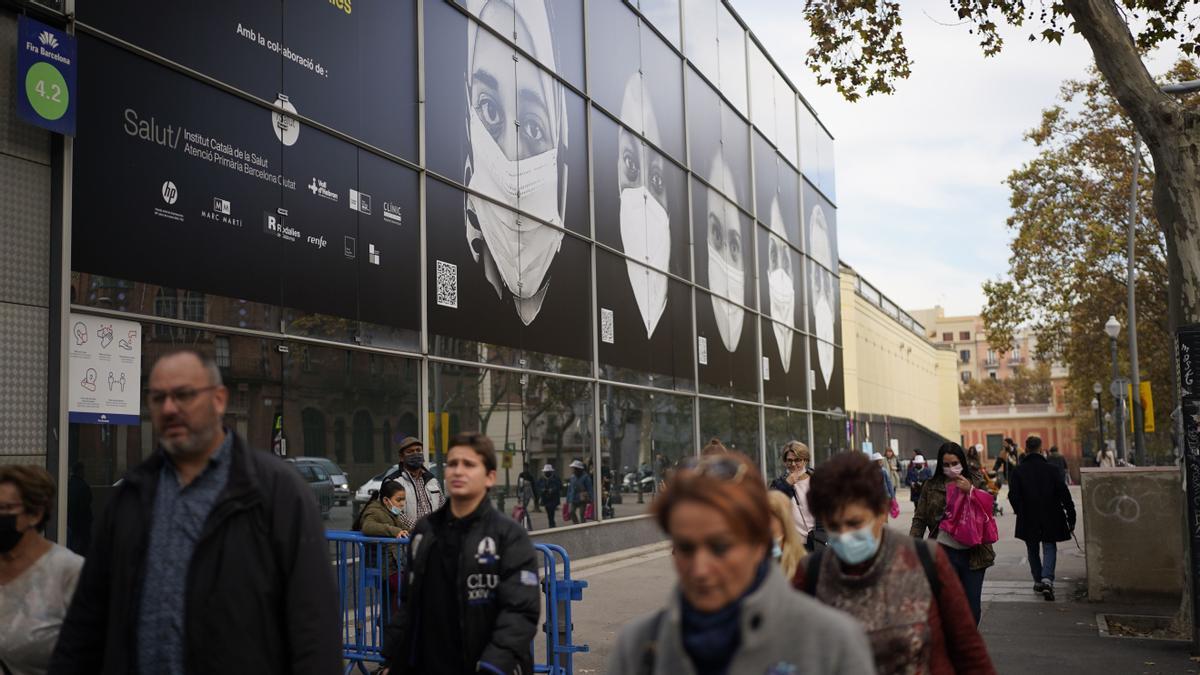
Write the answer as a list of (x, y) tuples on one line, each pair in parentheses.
[(650, 647), (926, 558), (812, 571)]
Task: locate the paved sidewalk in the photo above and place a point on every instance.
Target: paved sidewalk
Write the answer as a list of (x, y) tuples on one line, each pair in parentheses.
[(1025, 634)]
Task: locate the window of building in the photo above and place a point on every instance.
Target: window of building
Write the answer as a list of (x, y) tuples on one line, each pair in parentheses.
[(966, 376), (964, 335), (965, 355), (312, 422), (992, 374), (947, 337), (1015, 355), (991, 357), (221, 355), (364, 438)]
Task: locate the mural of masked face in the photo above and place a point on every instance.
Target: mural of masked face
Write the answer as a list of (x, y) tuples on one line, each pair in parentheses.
[(824, 298), (645, 223), (726, 259), (516, 121), (780, 286)]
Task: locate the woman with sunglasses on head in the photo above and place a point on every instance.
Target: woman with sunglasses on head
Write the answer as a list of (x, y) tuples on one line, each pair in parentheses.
[(903, 591), (954, 472), (731, 606)]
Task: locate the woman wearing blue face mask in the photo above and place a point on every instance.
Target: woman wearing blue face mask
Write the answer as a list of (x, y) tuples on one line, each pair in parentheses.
[(954, 472), (902, 590)]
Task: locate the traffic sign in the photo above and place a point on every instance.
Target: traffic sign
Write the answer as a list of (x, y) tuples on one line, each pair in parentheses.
[(46, 73), (1118, 387)]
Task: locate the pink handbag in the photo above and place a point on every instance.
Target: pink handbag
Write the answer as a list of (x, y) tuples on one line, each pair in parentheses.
[(894, 510), (969, 519)]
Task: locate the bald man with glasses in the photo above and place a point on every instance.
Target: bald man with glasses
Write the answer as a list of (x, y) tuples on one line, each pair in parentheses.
[(210, 557)]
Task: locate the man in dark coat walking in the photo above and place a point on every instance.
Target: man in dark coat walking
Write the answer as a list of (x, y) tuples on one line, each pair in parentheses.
[(1045, 512), (210, 557)]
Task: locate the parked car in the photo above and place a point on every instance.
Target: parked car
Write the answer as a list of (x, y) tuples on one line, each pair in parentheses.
[(368, 489), (319, 482), (341, 479)]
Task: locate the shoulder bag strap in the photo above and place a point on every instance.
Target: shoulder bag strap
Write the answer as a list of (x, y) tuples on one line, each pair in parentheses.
[(926, 557), (650, 648), (812, 572)]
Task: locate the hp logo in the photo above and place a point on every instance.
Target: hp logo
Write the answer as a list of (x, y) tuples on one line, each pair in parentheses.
[(170, 193)]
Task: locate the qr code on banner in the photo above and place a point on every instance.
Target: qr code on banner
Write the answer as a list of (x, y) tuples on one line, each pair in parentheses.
[(447, 284), (606, 326)]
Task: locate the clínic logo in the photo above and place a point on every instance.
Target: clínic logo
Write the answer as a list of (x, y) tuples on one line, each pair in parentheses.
[(47, 38), (486, 553)]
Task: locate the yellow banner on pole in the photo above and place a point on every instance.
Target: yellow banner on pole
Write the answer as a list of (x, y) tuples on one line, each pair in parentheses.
[(1147, 406), (444, 436)]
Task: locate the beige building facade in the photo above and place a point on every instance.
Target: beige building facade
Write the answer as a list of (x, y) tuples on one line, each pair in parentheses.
[(966, 336), (890, 367)]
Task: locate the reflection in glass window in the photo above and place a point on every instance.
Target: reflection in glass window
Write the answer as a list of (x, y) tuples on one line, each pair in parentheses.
[(642, 436), (312, 423), (732, 39), (537, 420), (364, 438), (735, 425), (785, 118), (664, 15), (829, 437), (762, 93), (700, 37)]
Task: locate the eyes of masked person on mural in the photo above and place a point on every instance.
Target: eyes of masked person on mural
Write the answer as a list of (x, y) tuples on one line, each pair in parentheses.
[(781, 287), (517, 126), (644, 215), (726, 258), (823, 292)]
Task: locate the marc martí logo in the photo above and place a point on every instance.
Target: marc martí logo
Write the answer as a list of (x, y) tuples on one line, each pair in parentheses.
[(47, 38)]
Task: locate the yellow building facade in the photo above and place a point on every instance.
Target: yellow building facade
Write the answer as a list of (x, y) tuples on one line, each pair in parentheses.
[(890, 367)]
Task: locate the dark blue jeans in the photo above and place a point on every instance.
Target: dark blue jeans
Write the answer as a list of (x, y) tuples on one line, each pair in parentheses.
[(972, 580), (1042, 567)]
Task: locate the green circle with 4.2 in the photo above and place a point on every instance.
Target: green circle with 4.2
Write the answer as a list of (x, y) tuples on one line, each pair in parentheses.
[(46, 90)]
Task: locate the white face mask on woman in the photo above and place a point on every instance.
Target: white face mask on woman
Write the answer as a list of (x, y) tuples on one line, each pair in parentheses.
[(952, 472)]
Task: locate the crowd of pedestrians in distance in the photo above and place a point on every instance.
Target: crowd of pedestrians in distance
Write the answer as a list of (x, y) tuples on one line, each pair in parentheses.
[(211, 558)]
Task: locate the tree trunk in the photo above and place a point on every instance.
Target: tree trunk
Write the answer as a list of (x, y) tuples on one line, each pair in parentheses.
[(1173, 137)]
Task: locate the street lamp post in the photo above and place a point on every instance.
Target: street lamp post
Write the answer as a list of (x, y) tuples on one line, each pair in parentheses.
[(1139, 436), (1098, 406), (1113, 328)]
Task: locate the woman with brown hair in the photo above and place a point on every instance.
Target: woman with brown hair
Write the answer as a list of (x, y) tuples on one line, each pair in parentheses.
[(37, 576), (954, 472), (732, 611), (903, 591)]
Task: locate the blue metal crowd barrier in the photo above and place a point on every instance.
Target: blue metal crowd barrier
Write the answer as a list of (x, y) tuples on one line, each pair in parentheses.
[(367, 599)]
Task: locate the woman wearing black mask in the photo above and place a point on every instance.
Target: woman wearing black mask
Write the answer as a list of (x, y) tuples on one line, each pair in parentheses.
[(37, 576), (954, 473)]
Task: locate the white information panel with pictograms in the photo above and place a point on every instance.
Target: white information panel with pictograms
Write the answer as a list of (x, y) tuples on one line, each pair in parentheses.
[(104, 371)]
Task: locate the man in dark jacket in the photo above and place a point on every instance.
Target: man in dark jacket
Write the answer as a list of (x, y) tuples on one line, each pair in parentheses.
[(471, 599), (1045, 512), (210, 558)]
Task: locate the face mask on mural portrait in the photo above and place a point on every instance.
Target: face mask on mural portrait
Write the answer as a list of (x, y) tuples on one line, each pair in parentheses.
[(517, 165)]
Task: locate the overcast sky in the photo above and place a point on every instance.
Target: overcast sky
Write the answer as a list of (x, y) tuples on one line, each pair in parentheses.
[(920, 174)]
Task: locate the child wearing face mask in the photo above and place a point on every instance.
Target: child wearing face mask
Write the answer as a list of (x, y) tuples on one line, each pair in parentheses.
[(384, 517)]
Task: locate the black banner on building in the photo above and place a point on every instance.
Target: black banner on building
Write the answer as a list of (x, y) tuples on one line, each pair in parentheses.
[(1188, 362)]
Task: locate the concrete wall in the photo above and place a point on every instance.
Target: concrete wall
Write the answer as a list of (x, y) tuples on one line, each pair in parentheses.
[(1133, 519), (25, 301), (582, 541)]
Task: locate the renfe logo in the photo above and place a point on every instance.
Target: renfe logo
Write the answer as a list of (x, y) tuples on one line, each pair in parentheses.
[(319, 242)]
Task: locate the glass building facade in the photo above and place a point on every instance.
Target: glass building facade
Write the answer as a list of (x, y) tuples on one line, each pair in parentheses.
[(600, 230)]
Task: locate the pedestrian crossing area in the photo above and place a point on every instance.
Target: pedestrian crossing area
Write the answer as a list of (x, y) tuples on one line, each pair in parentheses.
[(1011, 591)]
